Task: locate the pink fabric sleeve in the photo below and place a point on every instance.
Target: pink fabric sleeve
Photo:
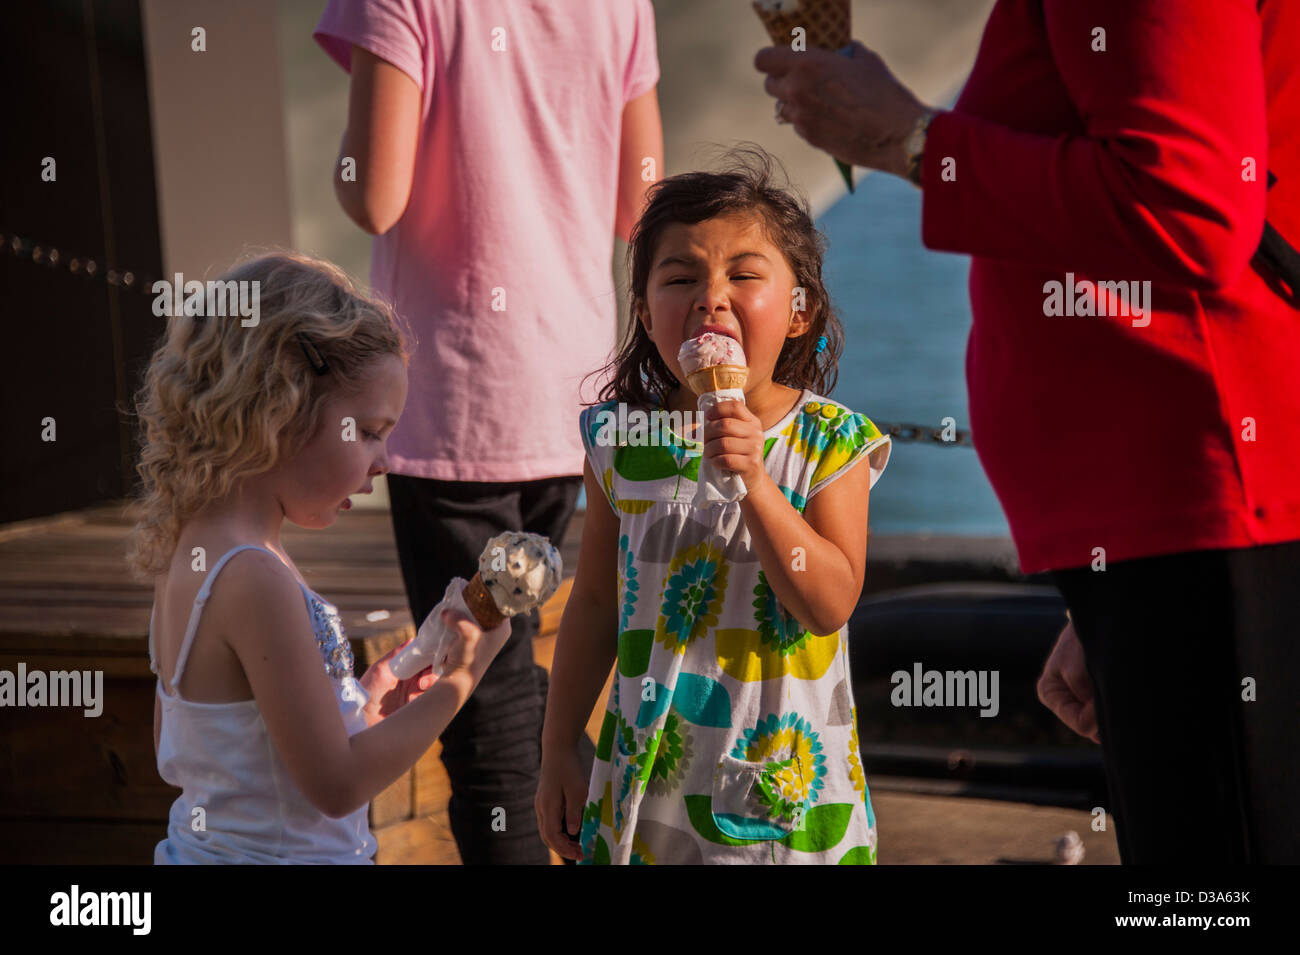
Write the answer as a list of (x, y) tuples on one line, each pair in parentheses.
[(390, 29), (642, 71), (1154, 186)]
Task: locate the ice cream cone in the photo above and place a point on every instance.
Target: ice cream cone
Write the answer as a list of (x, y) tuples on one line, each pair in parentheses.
[(717, 377), (827, 23), (517, 571), (481, 604)]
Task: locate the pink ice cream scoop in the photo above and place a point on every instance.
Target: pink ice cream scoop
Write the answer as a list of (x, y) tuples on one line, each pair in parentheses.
[(710, 349)]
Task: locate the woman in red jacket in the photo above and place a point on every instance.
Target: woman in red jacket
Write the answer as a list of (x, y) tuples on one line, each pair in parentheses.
[(1131, 371)]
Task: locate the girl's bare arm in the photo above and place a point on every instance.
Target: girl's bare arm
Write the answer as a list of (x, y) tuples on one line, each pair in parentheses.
[(381, 137), (270, 631), (814, 563), (642, 138)]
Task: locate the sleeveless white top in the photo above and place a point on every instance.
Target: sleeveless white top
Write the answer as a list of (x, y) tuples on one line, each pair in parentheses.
[(222, 757)]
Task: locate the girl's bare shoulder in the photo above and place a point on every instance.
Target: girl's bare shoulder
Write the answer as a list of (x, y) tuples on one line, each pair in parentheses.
[(254, 588), (199, 551)]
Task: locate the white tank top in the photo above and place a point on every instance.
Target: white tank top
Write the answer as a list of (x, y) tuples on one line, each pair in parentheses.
[(222, 758)]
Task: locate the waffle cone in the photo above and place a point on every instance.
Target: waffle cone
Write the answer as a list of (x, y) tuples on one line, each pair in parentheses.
[(717, 377), (828, 23), (481, 604)]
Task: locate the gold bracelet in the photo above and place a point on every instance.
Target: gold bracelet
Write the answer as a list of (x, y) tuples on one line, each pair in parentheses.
[(914, 145)]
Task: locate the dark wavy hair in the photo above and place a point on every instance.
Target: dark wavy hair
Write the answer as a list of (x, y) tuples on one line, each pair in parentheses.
[(747, 184)]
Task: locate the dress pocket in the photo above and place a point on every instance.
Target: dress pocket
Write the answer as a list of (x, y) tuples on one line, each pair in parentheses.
[(747, 800)]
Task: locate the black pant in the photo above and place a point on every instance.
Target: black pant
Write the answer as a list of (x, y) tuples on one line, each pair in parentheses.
[(1196, 774), (492, 748)]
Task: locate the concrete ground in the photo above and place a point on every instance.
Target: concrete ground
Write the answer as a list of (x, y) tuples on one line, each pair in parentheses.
[(948, 830)]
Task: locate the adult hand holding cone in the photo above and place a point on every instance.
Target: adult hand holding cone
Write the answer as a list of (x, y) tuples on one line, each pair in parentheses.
[(827, 24)]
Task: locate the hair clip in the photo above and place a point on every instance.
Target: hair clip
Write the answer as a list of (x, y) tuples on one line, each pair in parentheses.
[(821, 344), (313, 354)]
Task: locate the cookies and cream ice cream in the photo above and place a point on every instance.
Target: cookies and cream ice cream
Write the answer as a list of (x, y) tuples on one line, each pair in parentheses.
[(517, 571), (520, 571)]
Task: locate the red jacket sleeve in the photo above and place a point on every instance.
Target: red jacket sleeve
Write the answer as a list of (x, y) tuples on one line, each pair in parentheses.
[(1153, 189)]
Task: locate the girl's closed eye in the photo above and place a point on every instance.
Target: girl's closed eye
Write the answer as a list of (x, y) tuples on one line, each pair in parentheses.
[(737, 278)]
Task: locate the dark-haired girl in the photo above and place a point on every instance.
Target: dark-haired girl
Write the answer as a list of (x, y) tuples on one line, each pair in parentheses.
[(729, 734)]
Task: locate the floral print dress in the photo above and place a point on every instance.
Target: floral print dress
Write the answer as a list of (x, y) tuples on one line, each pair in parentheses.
[(730, 734)]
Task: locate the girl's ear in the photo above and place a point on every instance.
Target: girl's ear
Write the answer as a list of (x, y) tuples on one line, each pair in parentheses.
[(800, 323)]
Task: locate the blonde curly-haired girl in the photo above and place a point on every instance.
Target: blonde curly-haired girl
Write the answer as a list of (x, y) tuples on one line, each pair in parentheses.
[(258, 718)]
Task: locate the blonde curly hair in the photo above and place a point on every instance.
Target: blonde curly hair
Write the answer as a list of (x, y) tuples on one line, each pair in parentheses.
[(221, 402)]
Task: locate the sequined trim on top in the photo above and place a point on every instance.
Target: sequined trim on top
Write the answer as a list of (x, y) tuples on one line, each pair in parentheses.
[(330, 639)]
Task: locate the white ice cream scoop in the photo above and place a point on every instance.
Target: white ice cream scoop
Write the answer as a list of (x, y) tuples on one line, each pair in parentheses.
[(520, 570), (517, 571)]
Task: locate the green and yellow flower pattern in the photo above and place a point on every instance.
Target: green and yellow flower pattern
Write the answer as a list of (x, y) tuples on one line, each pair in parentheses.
[(720, 742)]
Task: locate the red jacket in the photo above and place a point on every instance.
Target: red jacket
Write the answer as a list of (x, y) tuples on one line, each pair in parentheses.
[(1178, 430)]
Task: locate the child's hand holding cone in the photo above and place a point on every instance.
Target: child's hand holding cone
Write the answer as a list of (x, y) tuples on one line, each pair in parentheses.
[(472, 649), (733, 441)]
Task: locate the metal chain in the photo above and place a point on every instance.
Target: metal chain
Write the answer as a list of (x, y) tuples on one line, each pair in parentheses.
[(25, 250), (921, 432)]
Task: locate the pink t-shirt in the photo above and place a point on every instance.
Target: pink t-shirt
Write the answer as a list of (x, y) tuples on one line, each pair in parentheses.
[(501, 261)]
